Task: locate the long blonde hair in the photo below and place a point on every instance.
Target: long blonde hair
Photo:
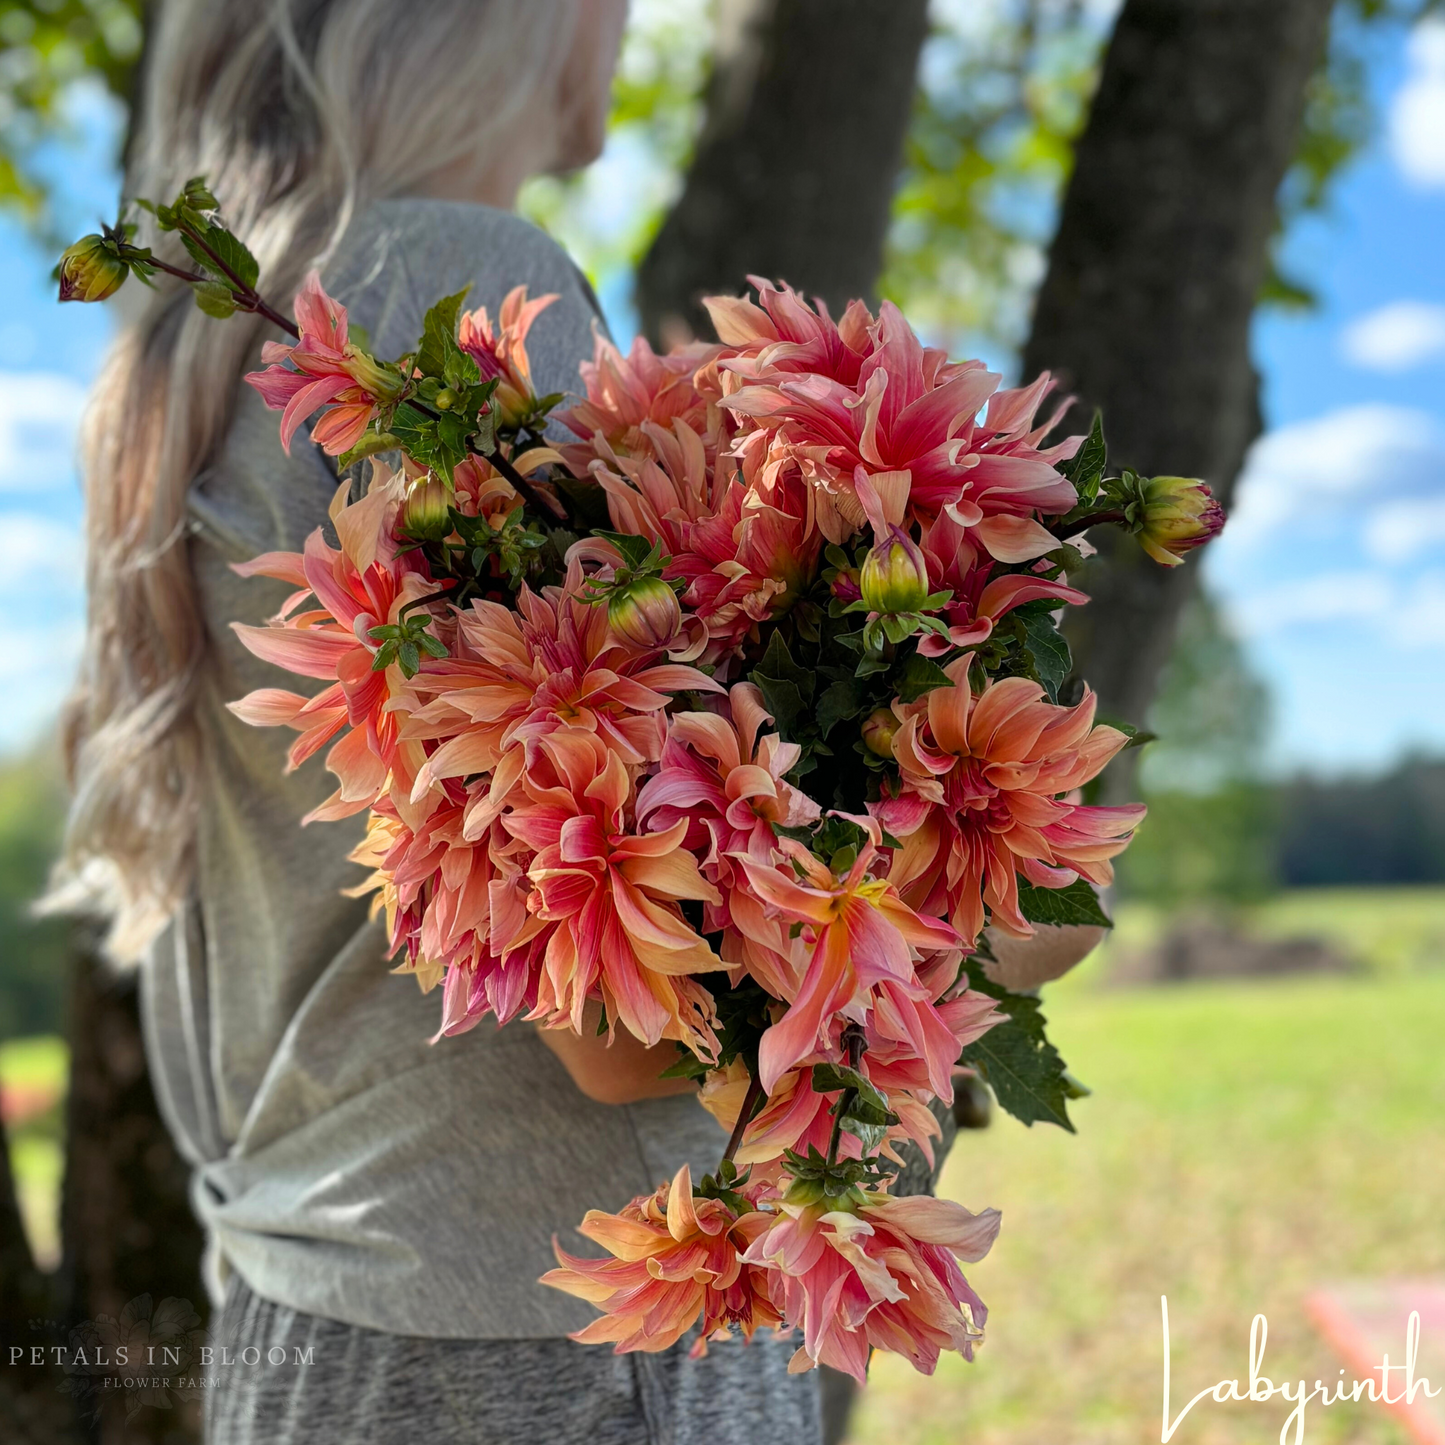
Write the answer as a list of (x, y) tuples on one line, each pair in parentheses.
[(297, 112)]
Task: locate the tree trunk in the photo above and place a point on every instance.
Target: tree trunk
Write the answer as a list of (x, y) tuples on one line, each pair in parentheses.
[(793, 178), (127, 1224), (131, 1248), (1152, 280), (32, 1410)]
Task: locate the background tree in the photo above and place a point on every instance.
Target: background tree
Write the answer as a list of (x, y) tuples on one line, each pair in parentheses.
[(1161, 253), (48, 46), (793, 175)]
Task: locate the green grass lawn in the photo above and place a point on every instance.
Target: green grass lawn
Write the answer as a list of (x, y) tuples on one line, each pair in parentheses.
[(1245, 1143), (1383, 930)]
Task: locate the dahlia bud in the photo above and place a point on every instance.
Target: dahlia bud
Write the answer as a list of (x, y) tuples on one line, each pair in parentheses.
[(90, 270), (880, 727), (370, 375), (426, 516), (845, 585), (1179, 514), (645, 613), (895, 575)]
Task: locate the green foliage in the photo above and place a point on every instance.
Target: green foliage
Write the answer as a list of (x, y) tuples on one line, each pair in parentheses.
[(1211, 714), (786, 687), (1212, 824), (48, 45), (1086, 470), (1049, 652), (1002, 95), (439, 337), (404, 643), (1216, 847), (1017, 1060), (33, 952), (1078, 903), (918, 676)]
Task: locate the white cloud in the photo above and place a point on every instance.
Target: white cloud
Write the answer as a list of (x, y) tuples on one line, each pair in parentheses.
[(37, 553), (1330, 597), (1395, 337), (1417, 114), (1399, 531), (1355, 459), (1421, 620), (37, 667), (1402, 614), (39, 414), (40, 614)]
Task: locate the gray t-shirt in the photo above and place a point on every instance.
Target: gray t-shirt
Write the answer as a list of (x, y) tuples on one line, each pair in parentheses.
[(344, 1165)]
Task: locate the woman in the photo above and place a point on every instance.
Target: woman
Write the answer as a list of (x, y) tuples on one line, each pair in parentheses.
[(376, 1205)]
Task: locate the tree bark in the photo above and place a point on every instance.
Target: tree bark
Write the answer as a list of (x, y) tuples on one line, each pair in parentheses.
[(793, 178), (32, 1410), (127, 1226), (1153, 276), (127, 1231)]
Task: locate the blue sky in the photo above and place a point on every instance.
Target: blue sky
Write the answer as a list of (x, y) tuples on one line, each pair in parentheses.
[(1331, 567), (1330, 570)]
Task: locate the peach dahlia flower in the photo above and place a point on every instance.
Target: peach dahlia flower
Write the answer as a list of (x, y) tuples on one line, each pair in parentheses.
[(612, 895), (864, 939), (676, 1262), (983, 779)]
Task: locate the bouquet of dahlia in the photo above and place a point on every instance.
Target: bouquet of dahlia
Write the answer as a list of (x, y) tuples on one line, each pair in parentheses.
[(736, 716)]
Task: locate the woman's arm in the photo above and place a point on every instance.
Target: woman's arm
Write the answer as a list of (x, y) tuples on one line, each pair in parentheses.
[(621, 1072), (1026, 963)]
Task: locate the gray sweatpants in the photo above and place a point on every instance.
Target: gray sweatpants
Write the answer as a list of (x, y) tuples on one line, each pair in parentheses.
[(319, 1382)]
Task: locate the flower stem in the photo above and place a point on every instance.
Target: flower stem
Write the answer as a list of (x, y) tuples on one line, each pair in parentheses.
[(853, 1043), (524, 488), (248, 298), (193, 277), (751, 1102), (839, 1109), (1082, 524)]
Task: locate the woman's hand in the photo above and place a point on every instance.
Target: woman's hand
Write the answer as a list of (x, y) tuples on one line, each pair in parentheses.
[(1026, 963), (622, 1072)]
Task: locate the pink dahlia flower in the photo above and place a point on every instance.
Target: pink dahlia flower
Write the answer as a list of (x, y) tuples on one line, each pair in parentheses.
[(782, 333), (329, 370), (458, 909), (745, 549), (363, 585), (517, 676), (912, 413), (723, 778), (501, 352), (628, 396), (881, 1273)]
